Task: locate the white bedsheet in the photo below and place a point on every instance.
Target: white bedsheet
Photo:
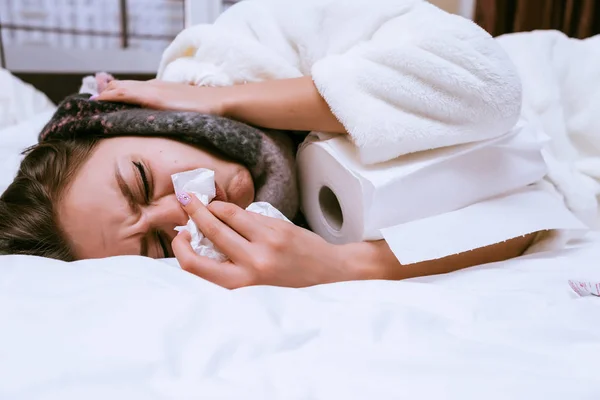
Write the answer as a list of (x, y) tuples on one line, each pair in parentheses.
[(135, 328)]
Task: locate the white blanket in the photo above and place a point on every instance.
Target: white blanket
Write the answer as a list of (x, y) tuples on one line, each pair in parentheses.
[(134, 328), (19, 101), (24, 111), (561, 95), (400, 75)]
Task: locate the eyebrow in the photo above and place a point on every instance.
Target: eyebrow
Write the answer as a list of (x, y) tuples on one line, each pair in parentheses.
[(130, 197)]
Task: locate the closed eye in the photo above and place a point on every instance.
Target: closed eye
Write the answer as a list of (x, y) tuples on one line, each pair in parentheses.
[(144, 178), (147, 185)]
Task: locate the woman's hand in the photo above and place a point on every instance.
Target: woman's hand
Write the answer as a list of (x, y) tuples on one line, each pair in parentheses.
[(165, 96), (268, 251), (284, 104), (261, 250)]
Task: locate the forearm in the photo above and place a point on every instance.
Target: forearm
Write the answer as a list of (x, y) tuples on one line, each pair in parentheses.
[(287, 104), (375, 260)]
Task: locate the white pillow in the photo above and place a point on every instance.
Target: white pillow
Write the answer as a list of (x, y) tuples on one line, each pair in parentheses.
[(19, 101), (14, 140)]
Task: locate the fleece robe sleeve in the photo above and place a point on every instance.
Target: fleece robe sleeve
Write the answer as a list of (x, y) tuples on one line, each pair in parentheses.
[(401, 75)]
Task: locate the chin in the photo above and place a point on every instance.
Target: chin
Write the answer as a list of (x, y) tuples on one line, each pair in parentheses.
[(241, 188)]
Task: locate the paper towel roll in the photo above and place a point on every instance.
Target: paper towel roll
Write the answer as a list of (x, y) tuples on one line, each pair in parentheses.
[(345, 201)]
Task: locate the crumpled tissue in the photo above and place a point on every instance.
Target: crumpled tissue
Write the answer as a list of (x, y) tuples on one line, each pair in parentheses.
[(201, 183)]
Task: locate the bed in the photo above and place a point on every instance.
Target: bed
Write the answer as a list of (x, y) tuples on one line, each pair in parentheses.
[(136, 328)]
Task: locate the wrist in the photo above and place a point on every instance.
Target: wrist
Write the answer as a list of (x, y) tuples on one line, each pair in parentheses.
[(221, 99), (364, 261), (228, 101)]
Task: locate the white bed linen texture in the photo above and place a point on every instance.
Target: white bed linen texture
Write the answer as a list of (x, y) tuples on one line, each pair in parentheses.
[(561, 95), (24, 111), (19, 101), (135, 328)]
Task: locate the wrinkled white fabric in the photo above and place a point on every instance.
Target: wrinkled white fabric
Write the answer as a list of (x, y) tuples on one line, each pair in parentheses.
[(201, 183), (19, 101), (132, 328), (561, 97)]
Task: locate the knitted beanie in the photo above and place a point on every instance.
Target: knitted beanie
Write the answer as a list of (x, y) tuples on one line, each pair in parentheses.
[(268, 155)]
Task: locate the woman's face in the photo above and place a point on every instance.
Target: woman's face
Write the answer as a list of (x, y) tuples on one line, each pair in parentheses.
[(122, 201)]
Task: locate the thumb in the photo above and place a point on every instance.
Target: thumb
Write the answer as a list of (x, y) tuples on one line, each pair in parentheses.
[(185, 235)]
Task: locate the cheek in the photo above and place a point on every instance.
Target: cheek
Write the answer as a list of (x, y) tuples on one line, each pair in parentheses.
[(178, 157), (242, 188)]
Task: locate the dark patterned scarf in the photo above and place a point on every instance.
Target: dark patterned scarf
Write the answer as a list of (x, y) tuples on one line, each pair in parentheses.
[(268, 155)]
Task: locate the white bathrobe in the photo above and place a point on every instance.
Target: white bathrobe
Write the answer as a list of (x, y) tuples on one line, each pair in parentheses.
[(424, 78), (401, 75)]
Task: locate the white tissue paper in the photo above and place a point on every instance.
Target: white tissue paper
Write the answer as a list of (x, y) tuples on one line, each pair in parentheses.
[(201, 183), (431, 204)]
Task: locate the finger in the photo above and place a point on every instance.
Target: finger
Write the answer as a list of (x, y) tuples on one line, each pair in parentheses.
[(102, 80), (186, 235), (113, 84), (224, 238), (122, 91), (224, 274), (242, 221), (269, 224)]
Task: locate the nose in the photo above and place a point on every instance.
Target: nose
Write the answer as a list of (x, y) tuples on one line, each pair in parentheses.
[(165, 214)]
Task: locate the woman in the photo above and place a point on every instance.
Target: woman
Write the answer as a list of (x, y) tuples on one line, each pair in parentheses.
[(452, 84)]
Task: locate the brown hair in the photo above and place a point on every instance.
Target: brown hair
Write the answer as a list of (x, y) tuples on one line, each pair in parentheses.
[(28, 214)]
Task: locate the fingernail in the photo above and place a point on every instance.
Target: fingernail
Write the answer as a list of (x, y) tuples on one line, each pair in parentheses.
[(184, 198), (94, 97)]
